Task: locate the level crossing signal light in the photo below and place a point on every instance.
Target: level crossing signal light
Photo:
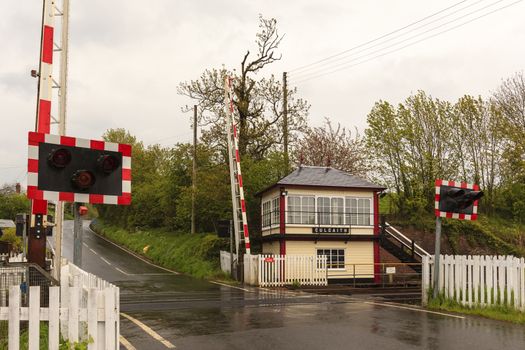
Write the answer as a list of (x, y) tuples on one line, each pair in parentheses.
[(78, 170), (457, 200)]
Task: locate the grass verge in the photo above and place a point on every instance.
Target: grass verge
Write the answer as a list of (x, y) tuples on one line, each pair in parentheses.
[(196, 255), (496, 312)]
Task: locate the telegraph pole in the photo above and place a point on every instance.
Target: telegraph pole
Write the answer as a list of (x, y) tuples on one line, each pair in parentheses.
[(194, 173), (285, 122), (62, 97)]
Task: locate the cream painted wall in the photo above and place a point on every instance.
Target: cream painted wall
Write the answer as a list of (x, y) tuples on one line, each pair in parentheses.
[(359, 253)]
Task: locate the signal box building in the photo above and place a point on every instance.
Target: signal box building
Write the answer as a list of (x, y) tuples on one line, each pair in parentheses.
[(324, 211)]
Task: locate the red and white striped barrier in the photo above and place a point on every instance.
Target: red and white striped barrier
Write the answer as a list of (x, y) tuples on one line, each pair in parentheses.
[(33, 192), (449, 215), (239, 174), (45, 84), (46, 69)]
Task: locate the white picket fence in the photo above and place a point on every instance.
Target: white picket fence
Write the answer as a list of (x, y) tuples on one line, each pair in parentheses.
[(281, 270), (478, 280), (84, 307)]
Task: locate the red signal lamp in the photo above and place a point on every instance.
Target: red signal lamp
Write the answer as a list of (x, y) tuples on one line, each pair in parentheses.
[(108, 163), (59, 158), (83, 179), (82, 210)]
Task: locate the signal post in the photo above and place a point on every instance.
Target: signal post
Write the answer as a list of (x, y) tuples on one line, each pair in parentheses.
[(454, 200)]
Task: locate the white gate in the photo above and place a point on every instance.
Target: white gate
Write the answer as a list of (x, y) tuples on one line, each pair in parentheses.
[(280, 270)]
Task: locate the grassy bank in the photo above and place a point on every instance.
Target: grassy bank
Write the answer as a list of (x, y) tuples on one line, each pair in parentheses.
[(497, 312), (196, 255)]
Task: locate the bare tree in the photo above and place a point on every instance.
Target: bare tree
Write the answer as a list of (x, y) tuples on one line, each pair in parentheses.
[(257, 101), (333, 146)]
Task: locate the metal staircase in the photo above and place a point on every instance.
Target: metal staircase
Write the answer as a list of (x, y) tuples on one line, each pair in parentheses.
[(400, 246)]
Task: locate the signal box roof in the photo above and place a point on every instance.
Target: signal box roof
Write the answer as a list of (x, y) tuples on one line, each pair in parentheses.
[(313, 176)]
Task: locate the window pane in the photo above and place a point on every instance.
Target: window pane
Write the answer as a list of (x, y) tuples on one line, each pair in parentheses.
[(335, 258), (308, 210), (323, 207), (275, 211), (364, 212), (294, 206), (337, 211), (351, 211)]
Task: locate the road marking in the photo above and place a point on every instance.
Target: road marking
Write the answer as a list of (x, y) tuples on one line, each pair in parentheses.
[(230, 286), (104, 260), (126, 344), (85, 245), (92, 251), (121, 271), (150, 331), (135, 255), (413, 309)]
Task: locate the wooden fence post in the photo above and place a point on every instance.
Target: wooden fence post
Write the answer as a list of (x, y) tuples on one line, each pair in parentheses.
[(34, 318), (14, 318), (54, 318)]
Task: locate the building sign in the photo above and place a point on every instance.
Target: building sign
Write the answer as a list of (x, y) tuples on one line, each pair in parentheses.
[(330, 230)]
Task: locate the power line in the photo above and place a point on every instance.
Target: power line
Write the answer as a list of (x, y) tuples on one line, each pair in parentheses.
[(401, 41), (379, 38), (405, 46), (308, 71)]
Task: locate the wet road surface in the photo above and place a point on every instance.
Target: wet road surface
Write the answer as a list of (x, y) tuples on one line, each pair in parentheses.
[(188, 313)]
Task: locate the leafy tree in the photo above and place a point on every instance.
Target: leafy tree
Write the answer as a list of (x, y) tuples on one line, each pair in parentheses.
[(257, 101), (12, 204)]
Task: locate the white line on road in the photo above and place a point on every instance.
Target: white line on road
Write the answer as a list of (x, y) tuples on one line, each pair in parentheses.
[(126, 344), (150, 331), (121, 271), (135, 255), (229, 286), (413, 309), (104, 260), (92, 251), (85, 245)]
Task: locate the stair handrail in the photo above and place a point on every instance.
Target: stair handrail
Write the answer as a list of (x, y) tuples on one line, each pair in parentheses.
[(407, 242)]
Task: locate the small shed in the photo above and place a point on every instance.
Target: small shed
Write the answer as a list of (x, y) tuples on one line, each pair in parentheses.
[(324, 211)]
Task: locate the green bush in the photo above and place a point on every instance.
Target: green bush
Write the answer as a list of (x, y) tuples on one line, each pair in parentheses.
[(11, 237)]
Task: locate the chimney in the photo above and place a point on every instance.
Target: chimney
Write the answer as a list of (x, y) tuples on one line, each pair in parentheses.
[(17, 187)]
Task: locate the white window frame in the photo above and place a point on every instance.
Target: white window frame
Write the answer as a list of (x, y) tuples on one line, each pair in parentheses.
[(275, 211), (348, 218), (268, 223), (300, 214), (328, 261)]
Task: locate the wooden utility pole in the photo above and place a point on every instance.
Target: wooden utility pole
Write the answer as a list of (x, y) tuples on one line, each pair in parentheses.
[(285, 123), (194, 172)]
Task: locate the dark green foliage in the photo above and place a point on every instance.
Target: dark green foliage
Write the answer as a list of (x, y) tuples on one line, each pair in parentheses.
[(12, 204)]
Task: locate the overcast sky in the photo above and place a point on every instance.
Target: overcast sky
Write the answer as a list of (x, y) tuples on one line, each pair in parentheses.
[(127, 58)]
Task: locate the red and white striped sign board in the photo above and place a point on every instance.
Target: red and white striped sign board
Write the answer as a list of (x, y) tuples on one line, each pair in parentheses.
[(449, 215), (34, 192)]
